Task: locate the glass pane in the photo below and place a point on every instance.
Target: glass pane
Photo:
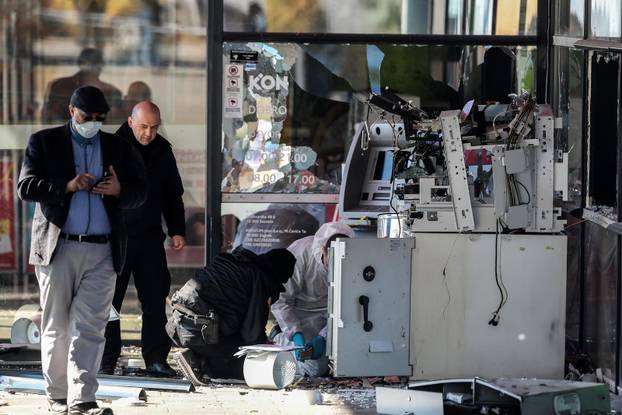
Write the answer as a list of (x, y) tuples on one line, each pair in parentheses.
[(601, 279), (570, 17), (605, 18), (290, 109), (455, 17), (264, 226), (370, 16), (603, 136), (568, 104), (481, 17), (516, 17), (133, 51)]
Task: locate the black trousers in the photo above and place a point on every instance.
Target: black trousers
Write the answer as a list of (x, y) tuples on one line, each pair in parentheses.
[(146, 261)]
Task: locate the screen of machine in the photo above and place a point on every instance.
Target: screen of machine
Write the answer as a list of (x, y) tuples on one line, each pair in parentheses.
[(384, 165)]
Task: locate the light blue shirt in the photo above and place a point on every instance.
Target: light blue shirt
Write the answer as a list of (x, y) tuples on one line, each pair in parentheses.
[(87, 214)]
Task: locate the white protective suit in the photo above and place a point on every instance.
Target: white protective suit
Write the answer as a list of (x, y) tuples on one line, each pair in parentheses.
[(304, 304)]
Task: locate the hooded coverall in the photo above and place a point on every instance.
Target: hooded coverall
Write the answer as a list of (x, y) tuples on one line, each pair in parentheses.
[(303, 306)]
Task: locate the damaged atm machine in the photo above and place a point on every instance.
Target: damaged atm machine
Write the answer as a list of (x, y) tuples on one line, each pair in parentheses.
[(461, 267)]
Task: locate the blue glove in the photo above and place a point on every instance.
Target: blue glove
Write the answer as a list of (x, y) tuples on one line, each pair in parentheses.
[(299, 340), (318, 347)]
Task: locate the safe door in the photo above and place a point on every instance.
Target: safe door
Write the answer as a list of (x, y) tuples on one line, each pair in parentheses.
[(369, 307)]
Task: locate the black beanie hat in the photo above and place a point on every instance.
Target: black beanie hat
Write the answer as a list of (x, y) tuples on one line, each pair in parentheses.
[(90, 100), (278, 263)]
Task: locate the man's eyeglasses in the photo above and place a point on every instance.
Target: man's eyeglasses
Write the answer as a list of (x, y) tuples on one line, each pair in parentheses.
[(86, 118), (90, 117)]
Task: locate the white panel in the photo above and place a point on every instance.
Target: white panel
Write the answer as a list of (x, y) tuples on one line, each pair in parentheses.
[(545, 173), (450, 335), (561, 177), (393, 401), (456, 171)]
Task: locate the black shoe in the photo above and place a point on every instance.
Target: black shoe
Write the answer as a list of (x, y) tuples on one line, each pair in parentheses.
[(160, 369), (106, 370), (57, 406), (89, 408), (107, 367)]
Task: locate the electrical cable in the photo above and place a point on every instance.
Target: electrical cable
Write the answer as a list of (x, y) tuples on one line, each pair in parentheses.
[(526, 191), (494, 321), (397, 215), (451, 250)]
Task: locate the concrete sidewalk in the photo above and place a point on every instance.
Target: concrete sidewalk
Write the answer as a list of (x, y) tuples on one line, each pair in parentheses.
[(222, 400)]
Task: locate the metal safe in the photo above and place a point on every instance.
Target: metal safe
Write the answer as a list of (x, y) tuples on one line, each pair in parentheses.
[(369, 307)]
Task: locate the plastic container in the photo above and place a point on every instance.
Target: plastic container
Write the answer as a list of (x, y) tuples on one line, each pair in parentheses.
[(269, 370), (26, 325)]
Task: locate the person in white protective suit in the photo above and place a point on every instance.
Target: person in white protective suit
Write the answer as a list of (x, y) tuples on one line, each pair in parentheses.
[(301, 311)]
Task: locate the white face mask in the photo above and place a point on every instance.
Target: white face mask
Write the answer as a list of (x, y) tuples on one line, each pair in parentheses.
[(87, 129)]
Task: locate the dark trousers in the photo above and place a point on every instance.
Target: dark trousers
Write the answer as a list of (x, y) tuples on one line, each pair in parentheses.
[(146, 261), (217, 360)]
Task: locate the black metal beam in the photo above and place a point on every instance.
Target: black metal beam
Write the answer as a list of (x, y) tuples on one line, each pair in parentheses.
[(619, 238), (584, 175), (213, 231), (584, 170), (544, 42), (355, 38)]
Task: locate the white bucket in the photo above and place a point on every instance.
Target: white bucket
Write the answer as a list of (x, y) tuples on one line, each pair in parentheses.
[(269, 370), (26, 325)]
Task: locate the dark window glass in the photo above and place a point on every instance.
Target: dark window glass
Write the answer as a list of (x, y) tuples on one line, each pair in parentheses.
[(603, 136), (601, 308)]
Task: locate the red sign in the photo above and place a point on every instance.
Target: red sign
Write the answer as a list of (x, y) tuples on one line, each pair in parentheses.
[(8, 257)]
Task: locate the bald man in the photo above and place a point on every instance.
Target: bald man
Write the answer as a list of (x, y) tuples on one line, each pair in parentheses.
[(146, 259)]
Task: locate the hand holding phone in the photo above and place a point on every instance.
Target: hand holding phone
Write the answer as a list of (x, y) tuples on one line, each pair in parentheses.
[(100, 180), (109, 185)]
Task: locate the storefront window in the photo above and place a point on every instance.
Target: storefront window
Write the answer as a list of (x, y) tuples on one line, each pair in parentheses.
[(148, 50), (388, 16)]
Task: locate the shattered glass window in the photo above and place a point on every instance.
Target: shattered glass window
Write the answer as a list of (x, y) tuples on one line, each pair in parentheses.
[(285, 120), (290, 110)]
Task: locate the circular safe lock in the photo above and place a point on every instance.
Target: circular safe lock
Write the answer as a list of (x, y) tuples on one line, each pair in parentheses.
[(369, 273)]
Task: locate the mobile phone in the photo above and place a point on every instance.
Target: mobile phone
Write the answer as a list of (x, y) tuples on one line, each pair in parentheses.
[(101, 179)]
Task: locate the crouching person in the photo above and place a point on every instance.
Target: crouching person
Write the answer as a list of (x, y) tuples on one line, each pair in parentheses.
[(226, 306)]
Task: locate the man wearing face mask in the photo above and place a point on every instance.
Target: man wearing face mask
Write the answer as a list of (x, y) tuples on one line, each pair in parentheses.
[(146, 259), (81, 179)]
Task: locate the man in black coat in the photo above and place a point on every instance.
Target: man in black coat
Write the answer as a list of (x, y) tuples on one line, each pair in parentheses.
[(146, 259), (225, 306), (82, 179)]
